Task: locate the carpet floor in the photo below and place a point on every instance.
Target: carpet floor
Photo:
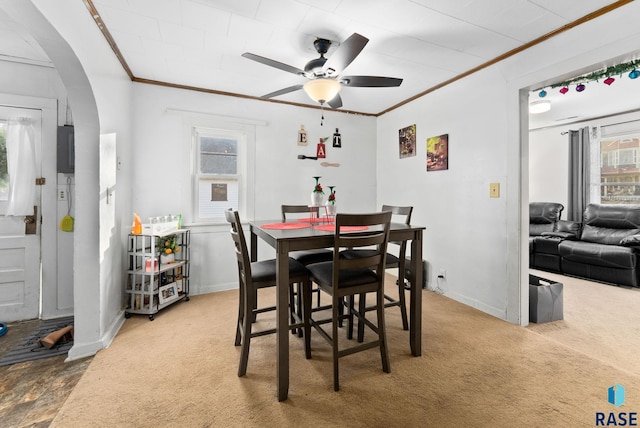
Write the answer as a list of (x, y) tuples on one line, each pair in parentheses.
[(476, 371)]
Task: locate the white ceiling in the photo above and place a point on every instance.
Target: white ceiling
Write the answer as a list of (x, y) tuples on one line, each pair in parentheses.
[(16, 44), (199, 42)]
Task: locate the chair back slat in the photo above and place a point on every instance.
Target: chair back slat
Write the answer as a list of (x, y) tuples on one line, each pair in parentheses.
[(240, 244), (404, 214), (377, 236), (297, 209), (400, 212)]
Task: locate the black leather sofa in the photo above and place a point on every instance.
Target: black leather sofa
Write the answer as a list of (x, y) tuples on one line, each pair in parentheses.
[(604, 247), (543, 218)]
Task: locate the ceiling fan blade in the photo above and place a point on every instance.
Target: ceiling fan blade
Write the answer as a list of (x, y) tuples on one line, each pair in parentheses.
[(346, 53), (336, 102), (273, 63), (283, 91), (370, 81)]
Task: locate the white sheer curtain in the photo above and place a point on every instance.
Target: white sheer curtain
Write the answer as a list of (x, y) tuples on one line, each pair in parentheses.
[(21, 161)]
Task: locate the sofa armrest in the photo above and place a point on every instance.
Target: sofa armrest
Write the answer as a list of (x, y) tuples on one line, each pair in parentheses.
[(572, 228), (563, 235), (631, 241)]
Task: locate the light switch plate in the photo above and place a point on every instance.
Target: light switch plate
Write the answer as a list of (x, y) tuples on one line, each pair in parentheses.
[(494, 190)]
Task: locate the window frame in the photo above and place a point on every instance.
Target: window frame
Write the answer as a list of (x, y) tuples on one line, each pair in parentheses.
[(245, 135)]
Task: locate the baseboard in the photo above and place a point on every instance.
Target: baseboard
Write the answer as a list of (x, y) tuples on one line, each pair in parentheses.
[(206, 289), (496, 312), (89, 349), (83, 350)]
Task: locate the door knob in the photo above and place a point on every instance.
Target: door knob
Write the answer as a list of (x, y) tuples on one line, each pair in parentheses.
[(30, 224)]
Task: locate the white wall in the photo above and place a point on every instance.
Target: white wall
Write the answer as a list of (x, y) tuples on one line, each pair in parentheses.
[(99, 251), (481, 242), (548, 165), (162, 155), (454, 205)]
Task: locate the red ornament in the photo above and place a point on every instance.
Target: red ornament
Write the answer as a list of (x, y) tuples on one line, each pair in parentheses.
[(609, 80), (564, 90)]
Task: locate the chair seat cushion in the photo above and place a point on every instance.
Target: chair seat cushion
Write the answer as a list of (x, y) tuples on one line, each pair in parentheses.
[(265, 270), (391, 260), (322, 273), (312, 256)]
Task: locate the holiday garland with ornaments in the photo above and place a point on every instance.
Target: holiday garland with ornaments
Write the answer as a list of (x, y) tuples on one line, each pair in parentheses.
[(606, 75)]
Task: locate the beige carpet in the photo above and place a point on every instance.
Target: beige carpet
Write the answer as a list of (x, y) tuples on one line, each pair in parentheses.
[(600, 320), (476, 371)]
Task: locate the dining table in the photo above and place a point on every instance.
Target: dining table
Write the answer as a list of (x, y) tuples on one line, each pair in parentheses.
[(315, 234)]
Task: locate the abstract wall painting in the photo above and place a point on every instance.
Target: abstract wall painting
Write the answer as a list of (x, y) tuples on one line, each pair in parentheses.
[(438, 153), (407, 141)]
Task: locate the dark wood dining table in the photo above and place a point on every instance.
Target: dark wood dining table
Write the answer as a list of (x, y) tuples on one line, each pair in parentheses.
[(308, 238)]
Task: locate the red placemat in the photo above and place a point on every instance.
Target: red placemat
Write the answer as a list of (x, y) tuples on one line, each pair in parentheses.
[(332, 227), (284, 226)]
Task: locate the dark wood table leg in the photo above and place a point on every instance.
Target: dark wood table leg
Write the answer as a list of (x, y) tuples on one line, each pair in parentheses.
[(282, 326), (415, 317), (254, 246)]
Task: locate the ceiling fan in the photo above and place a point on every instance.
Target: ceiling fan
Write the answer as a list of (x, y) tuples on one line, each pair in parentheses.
[(323, 73)]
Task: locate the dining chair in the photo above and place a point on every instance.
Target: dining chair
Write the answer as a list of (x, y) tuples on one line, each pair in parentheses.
[(306, 257), (402, 213), (253, 276), (344, 278)]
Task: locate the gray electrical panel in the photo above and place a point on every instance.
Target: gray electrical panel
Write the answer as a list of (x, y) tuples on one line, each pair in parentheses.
[(66, 150)]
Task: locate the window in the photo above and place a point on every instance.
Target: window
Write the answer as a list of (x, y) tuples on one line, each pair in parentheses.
[(620, 170), (220, 175)]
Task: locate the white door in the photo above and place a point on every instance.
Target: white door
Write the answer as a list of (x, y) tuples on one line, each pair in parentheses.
[(20, 271)]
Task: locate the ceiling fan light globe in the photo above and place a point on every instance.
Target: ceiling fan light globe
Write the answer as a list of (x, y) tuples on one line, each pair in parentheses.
[(322, 90)]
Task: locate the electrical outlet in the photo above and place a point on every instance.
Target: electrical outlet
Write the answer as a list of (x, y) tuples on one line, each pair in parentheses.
[(62, 193)]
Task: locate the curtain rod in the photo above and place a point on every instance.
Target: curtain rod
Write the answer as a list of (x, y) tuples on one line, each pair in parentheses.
[(243, 120)]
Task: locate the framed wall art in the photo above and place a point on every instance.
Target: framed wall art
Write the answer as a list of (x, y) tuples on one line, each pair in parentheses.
[(438, 153), (407, 141)]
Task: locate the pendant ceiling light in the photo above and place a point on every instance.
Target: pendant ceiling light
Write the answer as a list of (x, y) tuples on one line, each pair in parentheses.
[(322, 90)]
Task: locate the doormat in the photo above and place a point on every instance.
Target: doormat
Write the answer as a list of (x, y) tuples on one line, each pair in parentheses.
[(29, 349)]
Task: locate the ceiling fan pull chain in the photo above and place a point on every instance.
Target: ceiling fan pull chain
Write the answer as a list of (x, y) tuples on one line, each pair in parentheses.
[(322, 118)]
